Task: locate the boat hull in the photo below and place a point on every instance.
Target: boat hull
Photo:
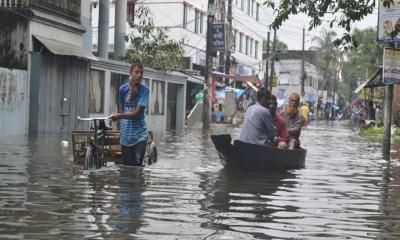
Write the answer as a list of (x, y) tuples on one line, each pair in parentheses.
[(240, 155)]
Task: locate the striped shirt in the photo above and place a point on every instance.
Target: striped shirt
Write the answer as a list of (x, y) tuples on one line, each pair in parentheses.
[(133, 130)]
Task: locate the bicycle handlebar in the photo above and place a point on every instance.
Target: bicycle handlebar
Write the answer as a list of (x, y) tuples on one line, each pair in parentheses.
[(95, 118)]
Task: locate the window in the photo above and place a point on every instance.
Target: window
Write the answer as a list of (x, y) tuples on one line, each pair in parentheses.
[(241, 43), (256, 49), (196, 21), (247, 45), (252, 7), (258, 12), (242, 5), (234, 39), (185, 15), (130, 14), (251, 47), (248, 7), (157, 97), (201, 22), (96, 91)]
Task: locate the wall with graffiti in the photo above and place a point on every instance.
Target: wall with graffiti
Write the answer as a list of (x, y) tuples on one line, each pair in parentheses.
[(13, 102)]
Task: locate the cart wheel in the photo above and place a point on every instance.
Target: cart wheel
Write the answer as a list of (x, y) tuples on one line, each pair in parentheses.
[(89, 159), (152, 153)]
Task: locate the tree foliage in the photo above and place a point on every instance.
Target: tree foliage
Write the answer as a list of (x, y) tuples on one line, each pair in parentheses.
[(343, 12), (279, 45), (362, 61), (328, 55), (150, 45)]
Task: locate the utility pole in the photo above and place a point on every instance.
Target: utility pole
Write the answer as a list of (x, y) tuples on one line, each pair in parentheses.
[(273, 63), (230, 41), (221, 61), (206, 116), (267, 62), (387, 120), (303, 73)]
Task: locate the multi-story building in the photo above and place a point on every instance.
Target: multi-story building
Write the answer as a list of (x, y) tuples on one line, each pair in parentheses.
[(187, 21), (288, 70)]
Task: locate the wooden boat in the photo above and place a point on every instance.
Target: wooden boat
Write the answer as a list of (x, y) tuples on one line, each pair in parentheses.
[(240, 155)]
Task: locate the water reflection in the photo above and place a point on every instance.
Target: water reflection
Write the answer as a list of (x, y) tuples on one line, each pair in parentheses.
[(237, 203), (346, 191)]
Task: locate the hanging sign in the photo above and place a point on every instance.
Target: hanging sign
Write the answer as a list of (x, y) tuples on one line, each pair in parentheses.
[(391, 66), (218, 37), (388, 19)]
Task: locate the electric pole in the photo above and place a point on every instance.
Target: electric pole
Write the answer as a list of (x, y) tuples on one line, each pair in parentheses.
[(273, 63), (230, 41), (303, 73), (267, 62), (206, 116), (221, 61)]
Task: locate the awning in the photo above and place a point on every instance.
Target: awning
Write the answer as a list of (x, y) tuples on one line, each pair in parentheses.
[(374, 81), (252, 78), (195, 79), (65, 49)]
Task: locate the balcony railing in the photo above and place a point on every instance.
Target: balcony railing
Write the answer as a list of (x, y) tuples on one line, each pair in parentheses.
[(68, 9)]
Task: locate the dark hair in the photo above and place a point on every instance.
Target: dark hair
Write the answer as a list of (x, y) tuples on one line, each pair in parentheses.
[(263, 93), (273, 97), (136, 65)]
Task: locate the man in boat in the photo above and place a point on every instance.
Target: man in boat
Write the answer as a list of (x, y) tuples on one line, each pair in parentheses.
[(134, 133), (259, 127), (294, 120), (282, 136)]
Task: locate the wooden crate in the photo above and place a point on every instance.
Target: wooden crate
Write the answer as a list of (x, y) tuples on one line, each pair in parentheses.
[(81, 139)]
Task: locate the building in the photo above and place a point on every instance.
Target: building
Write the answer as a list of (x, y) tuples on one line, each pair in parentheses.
[(44, 69), (48, 75), (187, 21), (288, 70)]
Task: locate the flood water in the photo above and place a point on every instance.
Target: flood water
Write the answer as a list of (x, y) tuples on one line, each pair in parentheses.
[(346, 191)]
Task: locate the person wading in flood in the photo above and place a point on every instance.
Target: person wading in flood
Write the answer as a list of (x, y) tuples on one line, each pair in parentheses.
[(294, 120), (259, 127), (134, 100), (282, 137)]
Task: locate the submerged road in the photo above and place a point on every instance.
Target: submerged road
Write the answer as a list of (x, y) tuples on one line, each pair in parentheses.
[(345, 191)]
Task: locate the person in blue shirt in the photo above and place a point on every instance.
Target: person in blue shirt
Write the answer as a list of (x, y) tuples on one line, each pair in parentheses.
[(134, 100)]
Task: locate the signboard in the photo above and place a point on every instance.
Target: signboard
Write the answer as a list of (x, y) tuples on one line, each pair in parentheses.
[(218, 37), (391, 66), (387, 20)]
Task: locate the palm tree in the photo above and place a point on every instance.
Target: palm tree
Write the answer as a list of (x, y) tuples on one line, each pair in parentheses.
[(327, 56)]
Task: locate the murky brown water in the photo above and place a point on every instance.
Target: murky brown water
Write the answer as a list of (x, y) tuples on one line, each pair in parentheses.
[(346, 191)]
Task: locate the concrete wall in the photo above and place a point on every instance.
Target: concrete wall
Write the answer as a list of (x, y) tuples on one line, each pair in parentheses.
[(14, 41), (14, 102)]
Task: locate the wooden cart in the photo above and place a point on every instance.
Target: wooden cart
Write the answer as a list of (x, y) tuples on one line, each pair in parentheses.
[(80, 139)]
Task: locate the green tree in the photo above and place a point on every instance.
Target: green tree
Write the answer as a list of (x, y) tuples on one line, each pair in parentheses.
[(150, 45), (362, 61), (327, 59), (344, 12), (279, 45)]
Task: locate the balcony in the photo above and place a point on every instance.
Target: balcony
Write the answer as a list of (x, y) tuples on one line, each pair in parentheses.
[(67, 9)]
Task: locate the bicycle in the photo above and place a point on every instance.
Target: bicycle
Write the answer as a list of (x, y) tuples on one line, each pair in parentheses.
[(95, 151), (98, 146)]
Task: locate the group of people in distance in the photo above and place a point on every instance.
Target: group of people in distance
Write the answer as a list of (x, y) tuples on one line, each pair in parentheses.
[(264, 126)]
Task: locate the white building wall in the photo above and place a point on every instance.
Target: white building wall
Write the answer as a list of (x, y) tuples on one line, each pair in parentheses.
[(288, 72), (169, 13)]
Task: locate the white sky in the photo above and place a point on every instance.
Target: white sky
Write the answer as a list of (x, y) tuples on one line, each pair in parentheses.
[(291, 31)]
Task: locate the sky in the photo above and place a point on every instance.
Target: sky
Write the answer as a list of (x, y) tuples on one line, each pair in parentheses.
[(291, 31)]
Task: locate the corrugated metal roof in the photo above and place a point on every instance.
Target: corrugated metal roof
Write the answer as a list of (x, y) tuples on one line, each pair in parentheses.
[(65, 49)]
